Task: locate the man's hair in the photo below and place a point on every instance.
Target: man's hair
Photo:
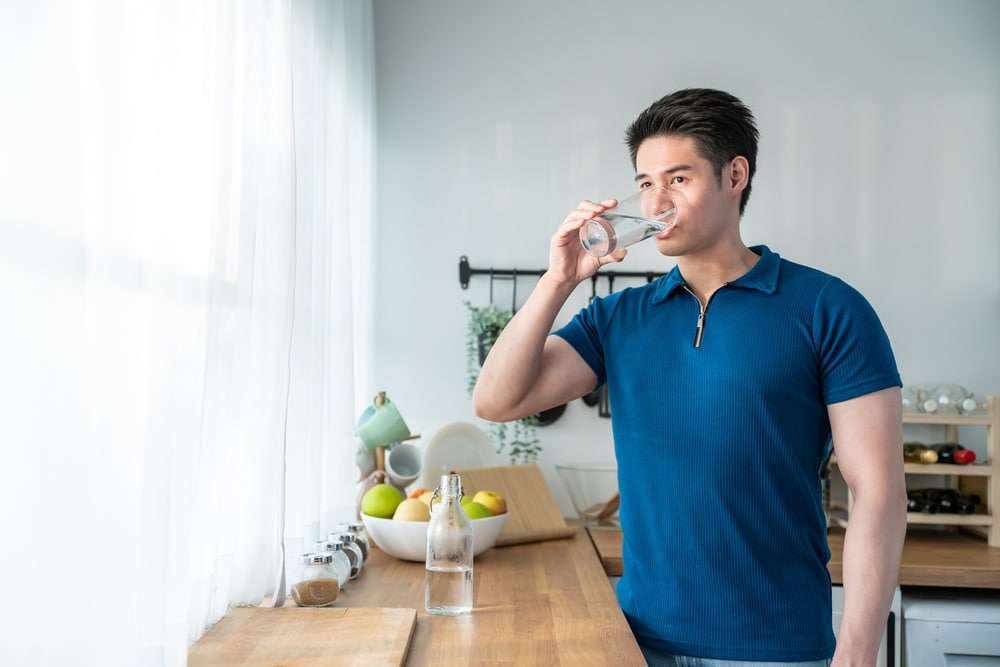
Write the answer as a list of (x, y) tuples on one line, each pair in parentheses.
[(721, 126)]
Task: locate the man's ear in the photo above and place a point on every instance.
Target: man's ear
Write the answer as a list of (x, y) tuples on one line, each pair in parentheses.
[(736, 174)]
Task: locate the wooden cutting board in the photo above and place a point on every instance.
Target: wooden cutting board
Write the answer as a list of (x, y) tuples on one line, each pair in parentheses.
[(534, 512), (303, 637)]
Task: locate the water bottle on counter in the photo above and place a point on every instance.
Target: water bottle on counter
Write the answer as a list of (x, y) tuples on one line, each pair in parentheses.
[(448, 584)]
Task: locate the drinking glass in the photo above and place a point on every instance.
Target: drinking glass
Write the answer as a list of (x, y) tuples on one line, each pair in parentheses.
[(637, 217)]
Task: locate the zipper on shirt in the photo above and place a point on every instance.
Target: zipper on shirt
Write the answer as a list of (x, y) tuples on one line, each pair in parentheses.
[(702, 313)]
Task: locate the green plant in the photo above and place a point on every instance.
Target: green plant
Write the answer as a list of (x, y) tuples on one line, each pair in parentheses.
[(518, 440), (524, 445)]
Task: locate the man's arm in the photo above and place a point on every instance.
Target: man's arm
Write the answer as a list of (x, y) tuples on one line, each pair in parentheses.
[(527, 370), (868, 439)]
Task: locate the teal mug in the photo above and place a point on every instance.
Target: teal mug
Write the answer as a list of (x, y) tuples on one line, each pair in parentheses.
[(383, 426)]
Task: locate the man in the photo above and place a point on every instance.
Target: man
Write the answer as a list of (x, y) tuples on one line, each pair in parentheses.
[(728, 378)]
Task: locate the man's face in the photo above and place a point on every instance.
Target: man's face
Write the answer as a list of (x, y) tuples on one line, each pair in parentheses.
[(707, 211)]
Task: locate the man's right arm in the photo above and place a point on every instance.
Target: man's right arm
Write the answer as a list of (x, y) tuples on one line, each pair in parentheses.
[(527, 370)]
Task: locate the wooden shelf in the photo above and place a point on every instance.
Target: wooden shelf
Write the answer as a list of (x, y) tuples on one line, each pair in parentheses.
[(944, 420), (940, 519), (948, 469)]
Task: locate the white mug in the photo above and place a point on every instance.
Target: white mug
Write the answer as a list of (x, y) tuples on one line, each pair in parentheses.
[(404, 463)]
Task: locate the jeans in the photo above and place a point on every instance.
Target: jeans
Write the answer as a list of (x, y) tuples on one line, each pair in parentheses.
[(655, 658)]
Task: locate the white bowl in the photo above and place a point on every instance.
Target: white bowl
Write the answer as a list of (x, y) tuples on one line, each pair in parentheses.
[(408, 539)]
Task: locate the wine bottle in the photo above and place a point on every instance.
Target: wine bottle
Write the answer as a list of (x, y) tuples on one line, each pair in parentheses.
[(951, 501), (952, 452), (918, 452), (917, 500)]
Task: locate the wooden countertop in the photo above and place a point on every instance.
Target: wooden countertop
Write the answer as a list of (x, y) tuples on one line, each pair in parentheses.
[(930, 558), (539, 603), (934, 558)]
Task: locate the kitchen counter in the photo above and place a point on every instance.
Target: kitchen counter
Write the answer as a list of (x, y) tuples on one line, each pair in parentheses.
[(930, 558), (539, 603)]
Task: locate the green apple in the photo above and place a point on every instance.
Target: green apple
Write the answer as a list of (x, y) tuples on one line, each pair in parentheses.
[(381, 501), (477, 510)]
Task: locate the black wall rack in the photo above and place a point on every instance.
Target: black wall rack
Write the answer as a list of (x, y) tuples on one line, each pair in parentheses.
[(465, 273)]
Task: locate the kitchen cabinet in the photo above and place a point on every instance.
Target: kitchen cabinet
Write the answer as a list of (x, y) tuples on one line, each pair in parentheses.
[(981, 479)]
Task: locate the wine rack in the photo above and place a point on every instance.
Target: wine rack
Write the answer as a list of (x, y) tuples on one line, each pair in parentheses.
[(981, 478)]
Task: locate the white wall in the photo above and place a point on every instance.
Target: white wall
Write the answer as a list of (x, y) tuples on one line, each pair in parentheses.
[(879, 162)]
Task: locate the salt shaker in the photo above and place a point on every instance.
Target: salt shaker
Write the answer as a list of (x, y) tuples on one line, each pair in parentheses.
[(448, 585)]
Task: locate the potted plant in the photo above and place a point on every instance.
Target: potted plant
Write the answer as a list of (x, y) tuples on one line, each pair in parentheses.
[(517, 439)]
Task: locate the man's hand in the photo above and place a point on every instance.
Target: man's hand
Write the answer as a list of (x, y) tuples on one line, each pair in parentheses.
[(569, 263)]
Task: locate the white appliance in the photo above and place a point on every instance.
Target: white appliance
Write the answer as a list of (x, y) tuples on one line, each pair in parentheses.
[(945, 628)]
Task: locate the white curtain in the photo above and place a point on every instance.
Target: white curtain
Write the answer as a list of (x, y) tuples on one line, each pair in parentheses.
[(185, 277)]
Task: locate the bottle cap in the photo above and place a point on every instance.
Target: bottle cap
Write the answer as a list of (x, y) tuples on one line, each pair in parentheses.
[(964, 456)]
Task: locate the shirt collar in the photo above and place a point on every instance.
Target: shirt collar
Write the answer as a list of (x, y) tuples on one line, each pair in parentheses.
[(762, 276)]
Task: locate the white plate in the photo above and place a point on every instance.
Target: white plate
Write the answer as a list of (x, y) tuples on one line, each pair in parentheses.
[(456, 445)]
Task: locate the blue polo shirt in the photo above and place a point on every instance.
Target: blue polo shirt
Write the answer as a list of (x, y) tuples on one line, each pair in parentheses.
[(721, 431)]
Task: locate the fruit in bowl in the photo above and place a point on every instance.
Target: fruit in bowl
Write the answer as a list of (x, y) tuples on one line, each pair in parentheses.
[(404, 535), (381, 500), (407, 540)]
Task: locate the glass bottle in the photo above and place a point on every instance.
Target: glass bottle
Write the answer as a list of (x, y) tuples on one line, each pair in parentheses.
[(920, 501), (952, 501), (952, 452), (448, 585), (969, 405), (950, 398), (917, 452), (340, 560), (316, 583)]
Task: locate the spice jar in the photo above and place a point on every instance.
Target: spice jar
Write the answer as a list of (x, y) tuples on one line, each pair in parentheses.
[(352, 550), (358, 530), (316, 583), (340, 561)]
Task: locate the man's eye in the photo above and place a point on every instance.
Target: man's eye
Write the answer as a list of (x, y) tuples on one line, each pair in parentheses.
[(678, 179), (644, 185)]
